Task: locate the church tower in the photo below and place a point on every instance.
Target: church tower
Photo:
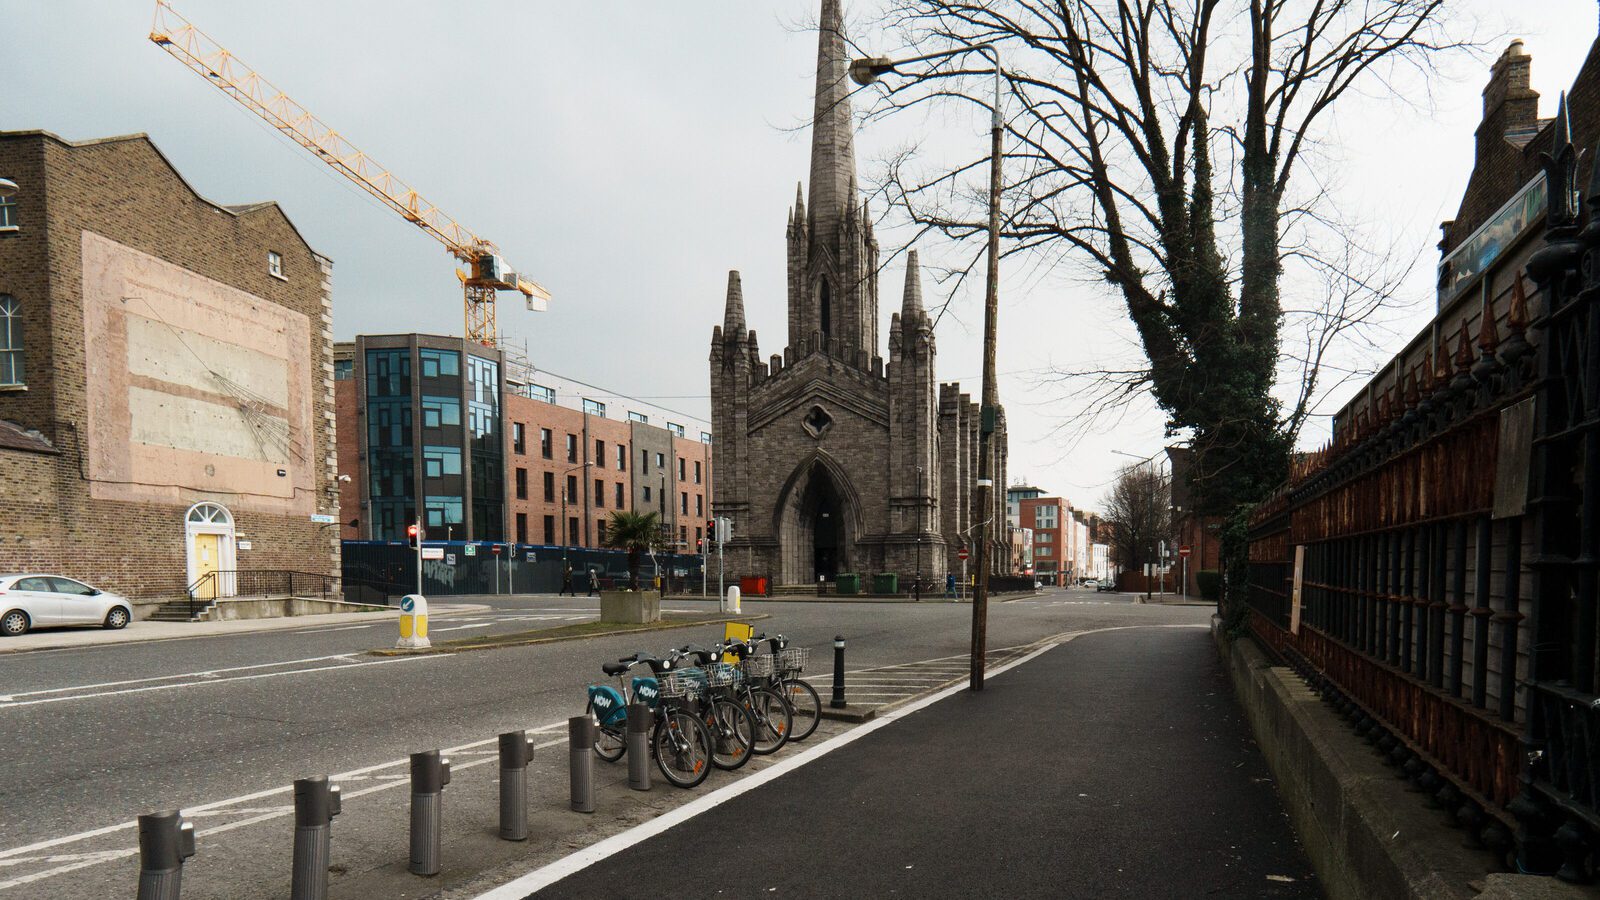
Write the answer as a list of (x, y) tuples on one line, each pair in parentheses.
[(915, 543), (833, 256)]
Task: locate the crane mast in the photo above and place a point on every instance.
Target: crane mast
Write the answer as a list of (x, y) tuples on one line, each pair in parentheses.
[(487, 272)]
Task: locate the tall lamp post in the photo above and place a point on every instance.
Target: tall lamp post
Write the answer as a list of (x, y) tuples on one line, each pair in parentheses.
[(864, 72), (566, 530), (1155, 531)]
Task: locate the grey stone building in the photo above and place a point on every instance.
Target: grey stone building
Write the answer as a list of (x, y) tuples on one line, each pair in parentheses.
[(830, 458)]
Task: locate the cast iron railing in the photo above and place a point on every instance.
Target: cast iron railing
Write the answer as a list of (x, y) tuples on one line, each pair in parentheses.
[(224, 583)]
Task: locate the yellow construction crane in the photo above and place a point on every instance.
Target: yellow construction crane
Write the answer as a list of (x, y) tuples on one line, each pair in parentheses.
[(487, 272)]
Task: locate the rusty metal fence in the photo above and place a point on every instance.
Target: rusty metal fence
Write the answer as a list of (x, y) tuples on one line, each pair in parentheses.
[(1448, 552)]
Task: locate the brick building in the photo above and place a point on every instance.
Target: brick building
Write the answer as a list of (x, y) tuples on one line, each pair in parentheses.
[(570, 453), (165, 378)]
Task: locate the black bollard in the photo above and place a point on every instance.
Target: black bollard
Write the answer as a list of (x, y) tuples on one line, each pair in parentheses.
[(639, 721), (580, 745), (315, 804), (837, 702), (429, 774), (515, 751), (165, 841)]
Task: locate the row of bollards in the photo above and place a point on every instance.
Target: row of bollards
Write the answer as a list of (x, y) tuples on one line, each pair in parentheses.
[(166, 840)]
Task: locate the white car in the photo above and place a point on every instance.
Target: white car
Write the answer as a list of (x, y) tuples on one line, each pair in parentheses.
[(31, 600)]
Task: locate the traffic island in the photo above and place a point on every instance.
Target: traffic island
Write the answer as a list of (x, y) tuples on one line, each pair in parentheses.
[(574, 632)]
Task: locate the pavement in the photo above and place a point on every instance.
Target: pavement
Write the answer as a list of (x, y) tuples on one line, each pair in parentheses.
[(1115, 765)]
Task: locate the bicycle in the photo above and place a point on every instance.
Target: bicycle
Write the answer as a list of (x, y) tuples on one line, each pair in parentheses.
[(774, 717), (803, 700), (732, 727), (680, 743)]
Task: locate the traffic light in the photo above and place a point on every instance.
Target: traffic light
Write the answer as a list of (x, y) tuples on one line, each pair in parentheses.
[(413, 534), (711, 530), (699, 546)]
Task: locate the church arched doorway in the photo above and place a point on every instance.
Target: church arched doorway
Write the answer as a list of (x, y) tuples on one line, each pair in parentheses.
[(815, 528)]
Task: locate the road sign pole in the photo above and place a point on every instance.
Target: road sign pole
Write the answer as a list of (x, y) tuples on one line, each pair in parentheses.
[(419, 556)]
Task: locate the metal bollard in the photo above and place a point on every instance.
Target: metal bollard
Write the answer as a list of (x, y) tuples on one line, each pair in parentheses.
[(580, 742), (429, 774), (165, 841), (639, 721), (515, 752), (315, 804), (837, 702)]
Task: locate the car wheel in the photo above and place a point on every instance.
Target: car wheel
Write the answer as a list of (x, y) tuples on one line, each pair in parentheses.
[(14, 623), (117, 618)]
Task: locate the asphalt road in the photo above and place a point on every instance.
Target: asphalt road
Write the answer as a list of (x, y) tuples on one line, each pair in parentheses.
[(1115, 765), (96, 736)]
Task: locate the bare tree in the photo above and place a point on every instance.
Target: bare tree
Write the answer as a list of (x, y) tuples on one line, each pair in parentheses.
[(1155, 141), (1139, 508)]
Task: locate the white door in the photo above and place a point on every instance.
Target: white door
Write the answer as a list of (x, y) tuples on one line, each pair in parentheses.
[(37, 598), (80, 604)]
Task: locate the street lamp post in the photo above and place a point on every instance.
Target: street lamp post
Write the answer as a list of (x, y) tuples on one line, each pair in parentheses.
[(865, 72), (916, 585)]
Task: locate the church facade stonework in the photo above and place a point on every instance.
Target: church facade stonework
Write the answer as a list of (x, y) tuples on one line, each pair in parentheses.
[(830, 458)]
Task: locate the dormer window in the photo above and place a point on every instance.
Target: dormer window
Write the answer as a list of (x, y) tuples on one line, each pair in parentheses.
[(275, 265)]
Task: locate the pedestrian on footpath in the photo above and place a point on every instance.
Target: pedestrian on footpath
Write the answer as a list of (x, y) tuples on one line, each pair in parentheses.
[(950, 586), (594, 582), (566, 583)]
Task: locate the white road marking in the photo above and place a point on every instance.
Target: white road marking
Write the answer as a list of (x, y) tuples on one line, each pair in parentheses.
[(201, 674), (463, 627), (214, 680), (337, 628)]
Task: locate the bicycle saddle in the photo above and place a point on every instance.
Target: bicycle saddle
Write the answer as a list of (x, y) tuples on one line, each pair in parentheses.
[(615, 668)]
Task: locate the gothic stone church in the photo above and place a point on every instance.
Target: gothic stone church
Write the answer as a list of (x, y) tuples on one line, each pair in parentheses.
[(830, 459)]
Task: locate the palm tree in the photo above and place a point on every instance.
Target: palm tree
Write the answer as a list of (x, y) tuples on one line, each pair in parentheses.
[(635, 533)]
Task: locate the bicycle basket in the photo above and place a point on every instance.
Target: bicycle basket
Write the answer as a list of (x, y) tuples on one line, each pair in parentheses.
[(682, 683), (794, 659), (720, 674), (756, 666)]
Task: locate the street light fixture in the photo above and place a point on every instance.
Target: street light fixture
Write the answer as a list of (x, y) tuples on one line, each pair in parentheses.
[(866, 71)]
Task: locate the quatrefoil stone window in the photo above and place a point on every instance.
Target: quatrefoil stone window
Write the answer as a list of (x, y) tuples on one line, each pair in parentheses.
[(817, 421)]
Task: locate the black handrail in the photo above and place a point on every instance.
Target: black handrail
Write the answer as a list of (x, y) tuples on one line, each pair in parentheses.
[(209, 588)]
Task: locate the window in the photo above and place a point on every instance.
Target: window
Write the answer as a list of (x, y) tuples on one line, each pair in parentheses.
[(522, 528), (647, 493), (683, 535), (644, 462), (699, 504), (544, 443), (572, 529), (439, 363), (1045, 516), (684, 502), (540, 392), (600, 530), (622, 457), (661, 462), (705, 437), (697, 471), (675, 428), (439, 412), (275, 264), (549, 529), (572, 488), (549, 487), (1043, 551), (594, 408), (519, 440), (438, 462), (10, 340), (522, 483), (344, 369), (599, 454), (698, 534), (1044, 537), (681, 475), (8, 214), (599, 494), (641, 418), (622, 497), (572, 448)]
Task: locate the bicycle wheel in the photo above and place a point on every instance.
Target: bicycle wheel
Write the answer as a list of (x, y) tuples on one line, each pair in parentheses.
[(774, 720), (682, 748), (732, 734), (807, 707), (610, 744)]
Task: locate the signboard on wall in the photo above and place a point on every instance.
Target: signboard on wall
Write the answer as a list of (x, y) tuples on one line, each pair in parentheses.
[(433, 553)]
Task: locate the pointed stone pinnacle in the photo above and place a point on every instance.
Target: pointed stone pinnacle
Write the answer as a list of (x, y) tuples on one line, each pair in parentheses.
[(911, 305), (733, 314)]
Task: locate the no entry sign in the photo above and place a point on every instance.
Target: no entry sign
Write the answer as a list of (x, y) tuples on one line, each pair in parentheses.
[(1184, 551), (962, 553)]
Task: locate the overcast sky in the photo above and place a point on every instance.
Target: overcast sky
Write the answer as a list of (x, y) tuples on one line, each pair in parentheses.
[(628, 153)]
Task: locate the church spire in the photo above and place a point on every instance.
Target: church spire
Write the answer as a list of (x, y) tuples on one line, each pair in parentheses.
[(833, 154), (911, 311), (733, 316)]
